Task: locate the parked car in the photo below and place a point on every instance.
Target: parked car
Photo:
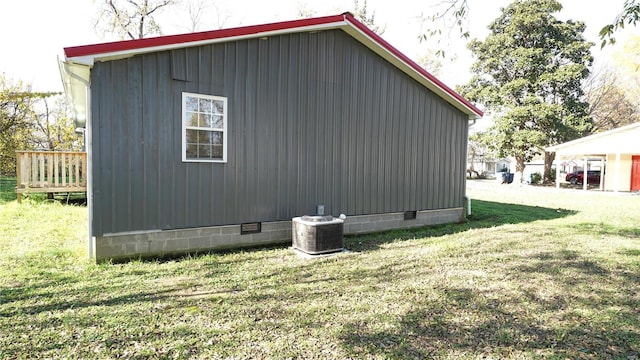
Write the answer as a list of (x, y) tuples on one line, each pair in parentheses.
[(577, 177)]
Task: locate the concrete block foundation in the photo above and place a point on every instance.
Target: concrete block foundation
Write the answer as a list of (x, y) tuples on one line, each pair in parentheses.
[(159, 243)]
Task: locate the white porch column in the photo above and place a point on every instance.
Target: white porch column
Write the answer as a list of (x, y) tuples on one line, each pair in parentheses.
[(603, 172), (617, 186), (557, 177), (585, 179)]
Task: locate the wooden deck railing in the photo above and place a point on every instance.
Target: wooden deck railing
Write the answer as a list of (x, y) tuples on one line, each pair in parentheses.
[(50, 172)]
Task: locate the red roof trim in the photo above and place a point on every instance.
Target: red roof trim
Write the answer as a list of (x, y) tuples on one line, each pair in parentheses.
[(138, 44), (118, 46), (411, 63)]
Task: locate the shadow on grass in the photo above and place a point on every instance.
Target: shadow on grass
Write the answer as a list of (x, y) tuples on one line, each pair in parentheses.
[(554, 263), (630, 252), (485, 214), (425, 335), (609, 230), (17, 294), (580, 310)]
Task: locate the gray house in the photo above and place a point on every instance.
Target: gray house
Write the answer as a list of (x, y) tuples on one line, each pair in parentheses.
[(218, 139)]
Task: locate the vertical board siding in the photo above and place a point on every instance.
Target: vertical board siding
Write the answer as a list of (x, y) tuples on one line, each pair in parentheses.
[(150, 182), (313, 119)]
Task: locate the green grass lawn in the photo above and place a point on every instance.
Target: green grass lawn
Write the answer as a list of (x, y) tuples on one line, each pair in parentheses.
[(534, 273), (7, 189)]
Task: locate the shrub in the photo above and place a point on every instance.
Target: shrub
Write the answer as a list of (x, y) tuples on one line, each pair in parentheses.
[(536, 178)]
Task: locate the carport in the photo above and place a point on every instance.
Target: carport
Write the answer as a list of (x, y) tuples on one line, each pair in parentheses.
[(618, 148)]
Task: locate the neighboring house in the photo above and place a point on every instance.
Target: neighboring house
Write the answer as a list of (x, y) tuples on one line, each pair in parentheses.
[(218, 139), (488, 166), (618, 148), (568, 166), (503, 165)]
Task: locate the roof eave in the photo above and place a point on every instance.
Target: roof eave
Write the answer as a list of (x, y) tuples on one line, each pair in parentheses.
[(88, 54), (588, 138)]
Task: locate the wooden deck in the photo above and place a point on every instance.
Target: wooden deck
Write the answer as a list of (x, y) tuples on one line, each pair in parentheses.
[(50, 172)]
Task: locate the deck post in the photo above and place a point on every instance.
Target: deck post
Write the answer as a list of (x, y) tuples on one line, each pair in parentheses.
[(18, 176)]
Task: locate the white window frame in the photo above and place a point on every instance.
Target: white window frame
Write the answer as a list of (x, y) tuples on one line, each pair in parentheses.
[(186, 126)]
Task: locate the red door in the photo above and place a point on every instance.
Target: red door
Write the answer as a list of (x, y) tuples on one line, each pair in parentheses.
[(635, 173)]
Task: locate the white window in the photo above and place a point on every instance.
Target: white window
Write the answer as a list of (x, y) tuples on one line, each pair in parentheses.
[(204, 128)]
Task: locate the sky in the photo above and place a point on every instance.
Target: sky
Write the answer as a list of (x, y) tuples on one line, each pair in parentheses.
[(33, 33)]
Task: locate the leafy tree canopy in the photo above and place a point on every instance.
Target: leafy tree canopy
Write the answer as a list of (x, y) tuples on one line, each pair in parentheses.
[(630, 15), (27, 122), (361, 13), (528, 73), (453, 14)]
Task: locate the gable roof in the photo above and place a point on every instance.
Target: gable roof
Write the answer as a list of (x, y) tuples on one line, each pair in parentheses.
[(623, 140), (88, 54)]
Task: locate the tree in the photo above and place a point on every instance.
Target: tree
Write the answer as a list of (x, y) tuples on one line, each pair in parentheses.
[(361, 13), (28, 122), (430, 62), (451, 14), (15, 122), (195, 12), (609, 106), (630, 15), (130, 19), (528, 73), (455, 14), (305, 12), (627, 62), (53, 128), (202, 15), (478, 150)]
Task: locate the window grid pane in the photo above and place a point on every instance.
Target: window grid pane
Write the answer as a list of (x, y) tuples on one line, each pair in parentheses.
[(204, 128)]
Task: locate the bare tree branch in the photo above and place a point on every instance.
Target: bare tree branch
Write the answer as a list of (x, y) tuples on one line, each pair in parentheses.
[(195, 11), (609, 107), (453, 10), (132, 19)]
